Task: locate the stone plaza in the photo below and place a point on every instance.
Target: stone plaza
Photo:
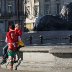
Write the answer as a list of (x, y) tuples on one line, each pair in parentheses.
[(48, 57)]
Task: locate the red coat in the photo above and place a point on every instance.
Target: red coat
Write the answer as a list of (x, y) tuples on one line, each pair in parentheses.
[(12, 39), (18, 31)]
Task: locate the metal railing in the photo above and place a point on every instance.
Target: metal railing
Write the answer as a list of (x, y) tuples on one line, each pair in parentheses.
[(42, 40)]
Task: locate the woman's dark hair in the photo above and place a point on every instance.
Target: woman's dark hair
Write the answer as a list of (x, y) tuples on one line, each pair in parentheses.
[(11, 26)]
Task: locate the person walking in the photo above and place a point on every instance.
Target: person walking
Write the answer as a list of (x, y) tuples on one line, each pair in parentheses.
[(5, 48), (20, 42), (19, 32), (11, 40)]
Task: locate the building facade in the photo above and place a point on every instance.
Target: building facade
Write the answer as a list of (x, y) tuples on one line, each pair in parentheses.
[(32, 11), (51, 7), (35, 8), (11, 11)]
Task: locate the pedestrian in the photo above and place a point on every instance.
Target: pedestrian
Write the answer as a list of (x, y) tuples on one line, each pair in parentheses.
[(11, 39), (5, 54), (18, 29), (20, 42), (19, 32)]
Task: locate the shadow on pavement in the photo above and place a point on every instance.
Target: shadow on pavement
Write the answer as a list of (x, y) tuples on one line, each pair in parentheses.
[(63, 55)]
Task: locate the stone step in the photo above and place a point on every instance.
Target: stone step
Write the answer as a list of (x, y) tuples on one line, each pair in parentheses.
[(61, 48), (48, 49)]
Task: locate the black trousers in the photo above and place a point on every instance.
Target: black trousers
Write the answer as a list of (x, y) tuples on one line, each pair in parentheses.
[(5, 51)]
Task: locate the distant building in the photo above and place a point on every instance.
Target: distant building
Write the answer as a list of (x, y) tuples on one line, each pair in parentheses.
[(11, 11), (51, 7), (32, 11)]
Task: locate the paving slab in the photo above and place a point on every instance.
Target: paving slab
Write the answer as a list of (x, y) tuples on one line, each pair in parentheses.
[(53, 64)]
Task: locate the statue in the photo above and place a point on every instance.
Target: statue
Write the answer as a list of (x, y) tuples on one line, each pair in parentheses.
[(66, 12), (61, 22)]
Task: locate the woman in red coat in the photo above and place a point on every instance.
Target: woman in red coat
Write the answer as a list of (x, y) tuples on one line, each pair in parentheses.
[(19, 33), (12, 40), (18, 29)]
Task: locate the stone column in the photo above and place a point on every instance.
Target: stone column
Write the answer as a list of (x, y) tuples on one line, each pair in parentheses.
[(41, 7)]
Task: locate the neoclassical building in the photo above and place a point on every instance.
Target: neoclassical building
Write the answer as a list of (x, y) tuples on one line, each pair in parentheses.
[(32, 11), (32, 8), (35, 8), (52, 7), (11, 11)]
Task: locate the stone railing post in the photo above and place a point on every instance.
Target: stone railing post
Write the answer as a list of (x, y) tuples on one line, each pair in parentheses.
[(41, 39), (70, 39), (30, 40)]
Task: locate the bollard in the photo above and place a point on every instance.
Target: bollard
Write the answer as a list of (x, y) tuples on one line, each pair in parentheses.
[(41, 39), (70, 39), (30, 39)]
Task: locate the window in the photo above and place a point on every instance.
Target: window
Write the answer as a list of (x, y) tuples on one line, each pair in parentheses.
[(27, 11), (58, 8), (36, 10), (0, 6), (26, 1), (10, 6), (47, 0), (0, 3), (46, 9), (57, 0), (35, 1)]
